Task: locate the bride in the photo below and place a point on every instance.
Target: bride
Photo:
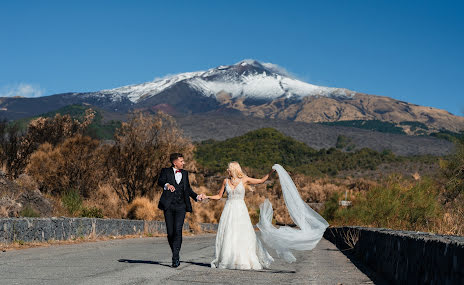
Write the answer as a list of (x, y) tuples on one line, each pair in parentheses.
[(238, 247), (236, 244)]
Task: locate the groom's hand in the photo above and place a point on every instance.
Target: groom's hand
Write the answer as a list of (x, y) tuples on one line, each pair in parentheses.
[(171, 188)]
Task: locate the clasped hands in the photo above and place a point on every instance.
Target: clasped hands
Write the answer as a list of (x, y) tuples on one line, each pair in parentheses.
[(201, 197)]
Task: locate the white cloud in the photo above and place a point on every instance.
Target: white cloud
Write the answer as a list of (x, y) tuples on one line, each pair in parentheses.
[(278, 69), (21, 89)]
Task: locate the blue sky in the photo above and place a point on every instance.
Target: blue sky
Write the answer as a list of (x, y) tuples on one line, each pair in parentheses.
[(407, 50)]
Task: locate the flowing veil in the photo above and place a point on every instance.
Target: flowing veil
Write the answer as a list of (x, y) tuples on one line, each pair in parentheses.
[(284, 239)]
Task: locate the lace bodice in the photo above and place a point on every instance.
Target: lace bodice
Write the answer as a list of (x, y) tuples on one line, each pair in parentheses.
[(237, 193)]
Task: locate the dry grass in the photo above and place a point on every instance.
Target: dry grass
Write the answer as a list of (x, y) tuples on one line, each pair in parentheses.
[(452, 222), (143, 208), (351, 237), (27, 182), (105, 198), (311, 191), (4, 211), (58, 208)]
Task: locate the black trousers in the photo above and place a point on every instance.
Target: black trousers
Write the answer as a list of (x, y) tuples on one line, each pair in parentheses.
[(174, 217)]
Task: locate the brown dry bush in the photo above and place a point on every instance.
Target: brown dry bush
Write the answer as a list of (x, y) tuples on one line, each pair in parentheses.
[(77, 163), (105, 198), (17, 147), (55, 130), (142, 147), (4, 211), (311, 190), (143, 208), (208, 212), (27, 182), (315, 190), (452, 222)]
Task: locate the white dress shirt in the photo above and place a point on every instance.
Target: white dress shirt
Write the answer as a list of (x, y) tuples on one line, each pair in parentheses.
[(178, 177)]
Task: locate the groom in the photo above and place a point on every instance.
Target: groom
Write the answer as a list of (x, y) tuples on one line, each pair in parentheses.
[(175, 201)]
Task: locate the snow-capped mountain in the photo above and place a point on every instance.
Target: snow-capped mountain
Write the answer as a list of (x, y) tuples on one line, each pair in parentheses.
[(248, 78), (249, 88)]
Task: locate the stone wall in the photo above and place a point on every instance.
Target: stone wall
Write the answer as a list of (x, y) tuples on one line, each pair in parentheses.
[(404, 257), (44, 229)]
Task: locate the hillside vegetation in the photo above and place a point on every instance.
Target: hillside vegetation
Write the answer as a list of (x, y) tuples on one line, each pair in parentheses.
[(55, 160), (257, 149), (373, 125), (105, 130), (411, 127), (262, 148), (373, 134)]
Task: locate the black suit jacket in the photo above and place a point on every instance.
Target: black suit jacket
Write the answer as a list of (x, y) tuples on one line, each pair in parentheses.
[(167, 176)]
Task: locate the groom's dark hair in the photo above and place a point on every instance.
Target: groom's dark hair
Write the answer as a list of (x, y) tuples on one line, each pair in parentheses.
[(174, 156)]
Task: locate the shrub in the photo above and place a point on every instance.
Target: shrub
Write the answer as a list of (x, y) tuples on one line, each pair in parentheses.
[(72, 201), (394, 204), (143, 209), (18, 145), (105, 198), (15, 149), (453, 171), (28, 212), (344, 142), (97, 129), (142, 148), (331, 206), (77, 163), (91, 212)]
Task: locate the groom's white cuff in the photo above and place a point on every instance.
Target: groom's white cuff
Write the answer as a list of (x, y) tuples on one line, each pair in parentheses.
[(166, 186)]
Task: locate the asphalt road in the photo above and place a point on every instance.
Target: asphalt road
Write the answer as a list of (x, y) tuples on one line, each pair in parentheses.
[(147, 261)]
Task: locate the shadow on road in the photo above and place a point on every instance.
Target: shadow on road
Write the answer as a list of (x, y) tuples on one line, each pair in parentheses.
[(162, 264), (264, 270), (143, 261), (197, 263), (278, 271)]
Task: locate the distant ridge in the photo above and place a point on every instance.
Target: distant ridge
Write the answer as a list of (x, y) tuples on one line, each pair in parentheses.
[(222, 126)]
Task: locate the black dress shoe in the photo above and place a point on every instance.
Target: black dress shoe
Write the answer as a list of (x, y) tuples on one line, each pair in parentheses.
[(175, 263)]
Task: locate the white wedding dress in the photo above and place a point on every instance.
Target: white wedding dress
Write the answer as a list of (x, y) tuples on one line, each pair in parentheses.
[(237, 245)]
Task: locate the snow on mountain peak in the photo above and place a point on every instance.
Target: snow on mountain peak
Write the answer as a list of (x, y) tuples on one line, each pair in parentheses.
[(248, 78)]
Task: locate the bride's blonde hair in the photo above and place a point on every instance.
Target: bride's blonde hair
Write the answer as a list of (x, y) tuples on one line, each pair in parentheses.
[(236, 170)]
